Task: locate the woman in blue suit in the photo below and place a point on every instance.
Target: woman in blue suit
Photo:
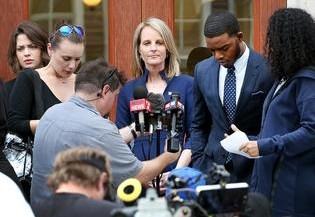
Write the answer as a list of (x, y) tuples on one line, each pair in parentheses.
[(156, 67), (286, 171)]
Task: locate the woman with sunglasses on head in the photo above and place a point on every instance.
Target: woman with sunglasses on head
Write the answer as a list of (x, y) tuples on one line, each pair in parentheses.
[(156, 66), (27, 49), (65, 48)]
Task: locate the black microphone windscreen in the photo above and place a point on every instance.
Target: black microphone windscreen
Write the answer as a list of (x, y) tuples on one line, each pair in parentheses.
[(157, 101), (140, 92)]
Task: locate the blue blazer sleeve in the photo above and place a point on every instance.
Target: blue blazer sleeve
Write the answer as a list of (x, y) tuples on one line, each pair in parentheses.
[(123, 115), (201, 123), (188, 111), (302, 138)]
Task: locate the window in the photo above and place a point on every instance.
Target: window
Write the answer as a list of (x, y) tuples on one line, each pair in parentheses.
[(190, 16), (47, 13)]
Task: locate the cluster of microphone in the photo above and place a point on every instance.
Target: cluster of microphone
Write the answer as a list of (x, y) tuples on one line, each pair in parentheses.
[(152, 113)]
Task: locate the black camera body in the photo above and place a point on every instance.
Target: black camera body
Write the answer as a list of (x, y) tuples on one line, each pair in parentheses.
[(190, 193)]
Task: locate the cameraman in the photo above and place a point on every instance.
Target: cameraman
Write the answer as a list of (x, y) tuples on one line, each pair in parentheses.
[(80, 121), (80, 181)]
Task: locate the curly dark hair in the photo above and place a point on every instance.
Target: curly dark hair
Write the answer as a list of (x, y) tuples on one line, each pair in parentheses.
[(290, 42)]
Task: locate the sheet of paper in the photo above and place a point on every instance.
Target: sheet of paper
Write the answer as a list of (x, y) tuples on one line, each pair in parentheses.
[(233, 142)]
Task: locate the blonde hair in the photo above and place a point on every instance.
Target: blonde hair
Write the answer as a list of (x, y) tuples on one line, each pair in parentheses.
[(172, 57), (81, 165)]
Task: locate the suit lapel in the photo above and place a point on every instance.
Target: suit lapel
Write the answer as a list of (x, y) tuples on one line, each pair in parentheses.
[(248, 83), (268, 100)]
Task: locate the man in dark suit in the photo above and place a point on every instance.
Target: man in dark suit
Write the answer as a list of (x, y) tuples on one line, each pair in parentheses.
[(229, 88)]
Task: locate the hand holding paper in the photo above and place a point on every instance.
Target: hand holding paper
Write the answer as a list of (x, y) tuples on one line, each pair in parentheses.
[(233, 143)]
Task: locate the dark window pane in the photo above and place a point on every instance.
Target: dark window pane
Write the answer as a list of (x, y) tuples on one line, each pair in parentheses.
[(62, 5), (39, 6), (48, 12), (190, 16)]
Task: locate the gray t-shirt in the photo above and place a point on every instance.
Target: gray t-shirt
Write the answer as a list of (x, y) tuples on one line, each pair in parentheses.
[(77, 123)]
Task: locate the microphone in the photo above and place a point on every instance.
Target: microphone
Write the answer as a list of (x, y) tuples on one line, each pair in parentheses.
[(174, 104), (129, 191), (157, 102), (175, 110), (156, 111), (139, 105)]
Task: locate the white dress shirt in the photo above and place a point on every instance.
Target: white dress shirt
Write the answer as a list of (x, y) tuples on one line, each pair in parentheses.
[(240, 69)]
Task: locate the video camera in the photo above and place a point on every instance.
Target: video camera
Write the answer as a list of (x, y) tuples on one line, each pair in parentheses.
[(189, 195)]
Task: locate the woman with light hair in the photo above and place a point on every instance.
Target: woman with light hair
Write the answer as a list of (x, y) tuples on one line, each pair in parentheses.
[(38, 88), (155, 64)]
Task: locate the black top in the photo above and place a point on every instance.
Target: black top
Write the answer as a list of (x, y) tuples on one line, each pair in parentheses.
[(70, 204), (8, 86), (5, 166), (22, 103), (3, 114)]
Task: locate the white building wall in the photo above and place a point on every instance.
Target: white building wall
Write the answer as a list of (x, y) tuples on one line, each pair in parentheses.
[(308, 5)]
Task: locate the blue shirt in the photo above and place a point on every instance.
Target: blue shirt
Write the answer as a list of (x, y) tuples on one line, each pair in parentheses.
[(143, 148), (71, 124)]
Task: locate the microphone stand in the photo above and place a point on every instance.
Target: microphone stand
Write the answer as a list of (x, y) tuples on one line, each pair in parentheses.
[(158, 151), (158, 143)]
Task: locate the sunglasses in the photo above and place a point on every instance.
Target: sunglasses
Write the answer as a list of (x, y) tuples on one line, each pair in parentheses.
[(68, 30), (109, 75)]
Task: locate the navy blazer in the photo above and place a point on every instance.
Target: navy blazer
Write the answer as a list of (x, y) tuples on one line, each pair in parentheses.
[(142, 148), (210, 122), (287, 143)]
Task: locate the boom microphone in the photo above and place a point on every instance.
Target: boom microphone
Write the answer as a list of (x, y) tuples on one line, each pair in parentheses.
[(129, 191), (139, 105)]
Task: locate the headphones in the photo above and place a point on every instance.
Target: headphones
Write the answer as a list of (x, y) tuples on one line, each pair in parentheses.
[(99, 95)]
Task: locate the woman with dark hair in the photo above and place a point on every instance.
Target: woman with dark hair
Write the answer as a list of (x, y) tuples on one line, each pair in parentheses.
[(27, 49), (65, 48), (286, 144)]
